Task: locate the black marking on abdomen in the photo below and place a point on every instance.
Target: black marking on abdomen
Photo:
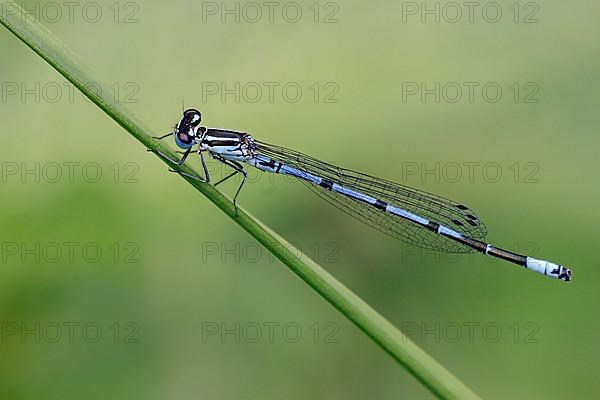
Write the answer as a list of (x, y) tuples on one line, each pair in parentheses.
[(382, 205), (271, 164), (508, 256), (326, 184), (472, 243), (482, 247), (433, 226)]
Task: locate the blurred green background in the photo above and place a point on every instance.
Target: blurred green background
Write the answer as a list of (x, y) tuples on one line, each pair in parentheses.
[(181, 303)]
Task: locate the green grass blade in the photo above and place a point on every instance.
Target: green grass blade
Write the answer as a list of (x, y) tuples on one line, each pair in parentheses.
[(423, 367)]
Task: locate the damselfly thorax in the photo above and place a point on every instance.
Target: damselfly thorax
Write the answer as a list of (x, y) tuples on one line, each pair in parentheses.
[(231, 145)]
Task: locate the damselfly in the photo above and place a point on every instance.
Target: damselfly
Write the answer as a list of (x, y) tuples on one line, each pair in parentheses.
[(414, 216)]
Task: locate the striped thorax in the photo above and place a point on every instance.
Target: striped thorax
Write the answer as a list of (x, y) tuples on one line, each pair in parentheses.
[(231, 145)]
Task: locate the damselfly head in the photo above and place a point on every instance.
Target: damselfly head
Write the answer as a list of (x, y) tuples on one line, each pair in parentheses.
[(186, 130)]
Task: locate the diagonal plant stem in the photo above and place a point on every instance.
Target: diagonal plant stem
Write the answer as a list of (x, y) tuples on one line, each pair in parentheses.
[(422, 366)]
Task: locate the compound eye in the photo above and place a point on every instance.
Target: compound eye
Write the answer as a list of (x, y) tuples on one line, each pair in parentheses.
[(184, 138), (193, 116)]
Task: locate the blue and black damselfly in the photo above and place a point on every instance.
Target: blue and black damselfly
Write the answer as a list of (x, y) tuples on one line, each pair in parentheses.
[(408, 214)]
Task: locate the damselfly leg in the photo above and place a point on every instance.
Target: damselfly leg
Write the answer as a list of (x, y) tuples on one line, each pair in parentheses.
[(163, 155), (162, 137), (186, 153), (237, 169), (206, 175)]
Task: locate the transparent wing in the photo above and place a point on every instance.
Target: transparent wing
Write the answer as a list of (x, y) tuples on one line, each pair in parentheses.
[(443, 211)]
